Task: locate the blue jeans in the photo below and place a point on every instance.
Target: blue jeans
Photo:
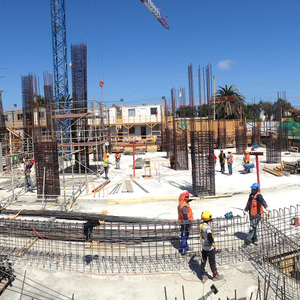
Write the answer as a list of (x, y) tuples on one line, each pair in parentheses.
[(29, 182), (185, 233), (229, 168)]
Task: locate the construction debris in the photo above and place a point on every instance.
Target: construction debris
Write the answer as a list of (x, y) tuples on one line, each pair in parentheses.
[(272, 171), (101, 186)]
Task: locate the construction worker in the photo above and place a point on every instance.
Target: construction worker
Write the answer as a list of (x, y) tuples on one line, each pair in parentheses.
[(246, 157), (117, 158), (212, 159), (28, 167), (229, 162), (106, 164), (222, 158), (185, 214), (208, 247), (255, 206)]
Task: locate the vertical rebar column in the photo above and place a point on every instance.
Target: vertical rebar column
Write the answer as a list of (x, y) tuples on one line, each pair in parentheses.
[(79, 93), (222, 134), (45, 144), (27, 94), (273, 151), (202, 142), (256, 136), (240, 137), (202, 171)]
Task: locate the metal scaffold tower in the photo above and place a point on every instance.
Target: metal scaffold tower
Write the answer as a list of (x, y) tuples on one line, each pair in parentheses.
[(59, 43)]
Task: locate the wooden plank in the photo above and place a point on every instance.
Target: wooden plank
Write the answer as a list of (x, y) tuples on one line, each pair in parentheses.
[(129, 186), (272, 172), (124, 187), (97, 245)]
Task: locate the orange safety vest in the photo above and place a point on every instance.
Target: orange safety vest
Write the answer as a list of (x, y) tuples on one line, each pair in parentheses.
[(118, 156), (256, 206), (247, 157), (181, 205)]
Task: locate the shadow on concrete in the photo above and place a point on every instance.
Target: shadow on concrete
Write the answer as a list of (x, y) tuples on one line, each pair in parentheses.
[(184, 186), (241, 235), (89, 258)]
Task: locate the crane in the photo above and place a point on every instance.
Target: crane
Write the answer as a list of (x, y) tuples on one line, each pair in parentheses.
[(155, 11), (59, 43)]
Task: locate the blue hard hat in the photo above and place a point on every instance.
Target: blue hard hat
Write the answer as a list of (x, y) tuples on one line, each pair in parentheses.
[(255, 186)]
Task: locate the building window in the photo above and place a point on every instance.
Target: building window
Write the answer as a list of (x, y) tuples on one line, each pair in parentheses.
[(20, 117), (153, 110), (131, 112), (41, 114), (132, 130)]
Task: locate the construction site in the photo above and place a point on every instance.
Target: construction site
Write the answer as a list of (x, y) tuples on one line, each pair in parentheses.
[(77, 234)]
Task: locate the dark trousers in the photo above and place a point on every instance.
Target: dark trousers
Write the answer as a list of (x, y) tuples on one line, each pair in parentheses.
[(185, 233), (106, 172), (223, 168), (254, 221), (88, 228), (211, 255)]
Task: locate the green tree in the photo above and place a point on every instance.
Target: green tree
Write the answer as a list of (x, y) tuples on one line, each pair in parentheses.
[(253, 112), (40, 100), (230, 103), (267, 109), (281, 106)]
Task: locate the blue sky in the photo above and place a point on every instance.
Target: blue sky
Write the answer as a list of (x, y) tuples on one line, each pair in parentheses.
[(253, 44)]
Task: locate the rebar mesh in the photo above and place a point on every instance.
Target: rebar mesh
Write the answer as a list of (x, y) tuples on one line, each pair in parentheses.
[(240, 139), (144, 246), (256, 135), (27, 99), (273, 149), (79, 92), (203, 173), (284, 136), (222, 134)]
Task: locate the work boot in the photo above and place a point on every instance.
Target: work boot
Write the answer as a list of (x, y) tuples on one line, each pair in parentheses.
[(217, 276), (254, 239), (204, 278), (247, 243)]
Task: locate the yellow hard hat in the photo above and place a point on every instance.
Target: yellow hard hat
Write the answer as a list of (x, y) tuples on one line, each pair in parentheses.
[(107, 154), (246, 151), (206, 216)]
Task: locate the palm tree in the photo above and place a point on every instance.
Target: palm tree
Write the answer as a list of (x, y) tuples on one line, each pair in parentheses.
[(230, 103)]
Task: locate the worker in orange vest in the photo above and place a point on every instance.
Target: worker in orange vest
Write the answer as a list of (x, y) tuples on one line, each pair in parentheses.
[(185, 214), (246, 157), (117, 158), (255, 206)]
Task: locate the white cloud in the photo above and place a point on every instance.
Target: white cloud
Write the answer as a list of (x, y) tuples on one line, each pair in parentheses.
[(225, 64)]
